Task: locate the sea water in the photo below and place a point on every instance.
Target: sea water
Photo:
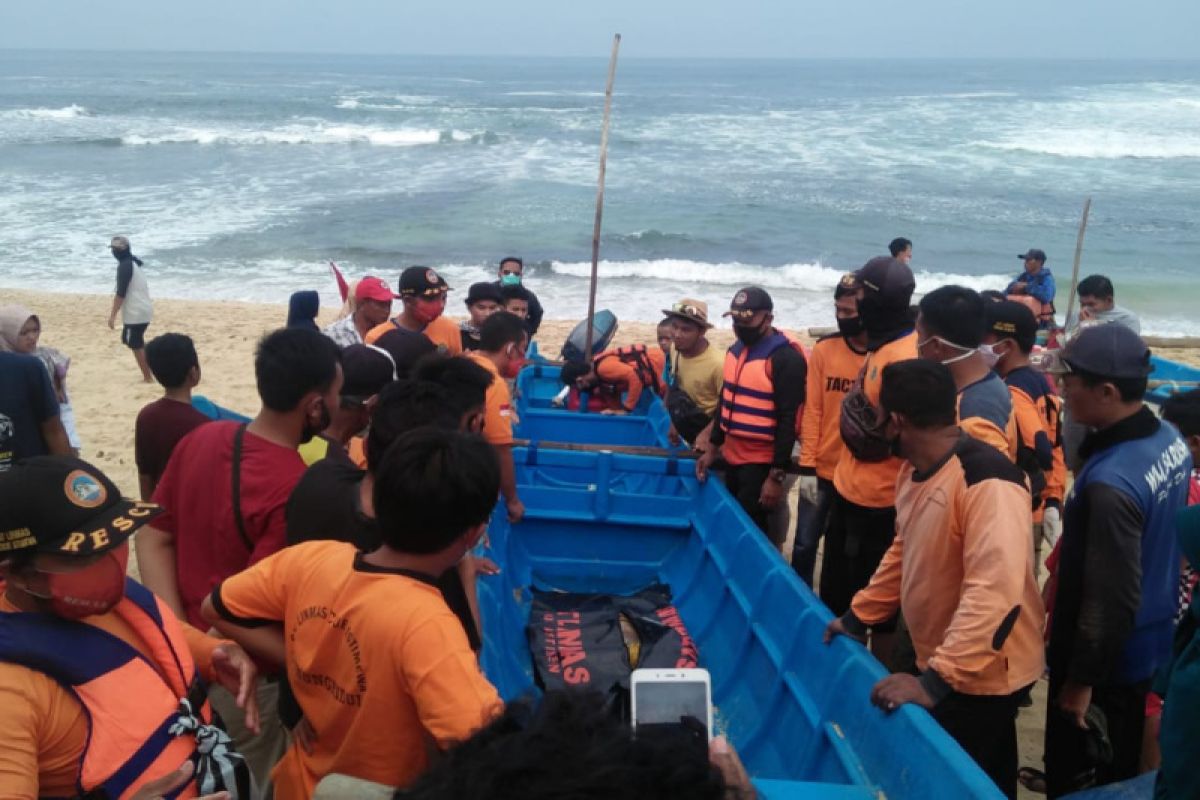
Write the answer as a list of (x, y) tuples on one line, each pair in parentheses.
[(241, 176)]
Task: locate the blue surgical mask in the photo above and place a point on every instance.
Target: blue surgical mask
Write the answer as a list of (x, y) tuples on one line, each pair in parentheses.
[(510, 279)]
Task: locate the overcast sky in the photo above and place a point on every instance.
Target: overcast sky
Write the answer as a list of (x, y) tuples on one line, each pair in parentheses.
[(652, 28)]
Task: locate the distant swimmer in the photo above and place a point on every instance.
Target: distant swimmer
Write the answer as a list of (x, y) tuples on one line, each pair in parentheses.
[(132, 299), (901, 249)]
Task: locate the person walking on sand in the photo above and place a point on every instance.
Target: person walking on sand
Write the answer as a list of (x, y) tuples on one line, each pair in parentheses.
[(132, 299)]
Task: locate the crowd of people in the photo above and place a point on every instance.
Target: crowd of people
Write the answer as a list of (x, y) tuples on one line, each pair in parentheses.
[(306, 604)]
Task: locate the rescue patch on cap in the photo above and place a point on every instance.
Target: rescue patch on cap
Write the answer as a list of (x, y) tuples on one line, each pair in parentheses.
[(18, 539), (432, 277), (1004, 327), (83, 490), (740, 299)]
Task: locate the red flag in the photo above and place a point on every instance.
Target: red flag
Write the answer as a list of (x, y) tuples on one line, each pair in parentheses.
[(343, 287)]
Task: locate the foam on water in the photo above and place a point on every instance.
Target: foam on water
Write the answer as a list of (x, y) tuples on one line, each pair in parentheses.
[(72, 111), (318, 134)]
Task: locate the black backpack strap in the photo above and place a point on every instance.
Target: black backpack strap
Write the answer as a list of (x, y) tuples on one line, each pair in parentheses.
[(236, 471)]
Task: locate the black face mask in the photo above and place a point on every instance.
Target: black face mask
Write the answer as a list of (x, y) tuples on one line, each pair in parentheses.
[(748, 336), (850, 327), (309, 431)]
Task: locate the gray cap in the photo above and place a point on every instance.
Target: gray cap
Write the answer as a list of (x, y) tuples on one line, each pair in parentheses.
[(1110, 351)]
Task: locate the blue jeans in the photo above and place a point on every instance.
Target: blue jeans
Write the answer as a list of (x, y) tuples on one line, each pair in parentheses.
[(810, 526)]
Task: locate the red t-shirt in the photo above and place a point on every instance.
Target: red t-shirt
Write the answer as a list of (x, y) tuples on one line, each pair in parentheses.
[(159, 427), (196, 492)]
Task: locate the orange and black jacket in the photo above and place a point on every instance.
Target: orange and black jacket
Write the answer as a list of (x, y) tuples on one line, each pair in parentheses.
[(763, 389), (1039, 420), (833, 367)]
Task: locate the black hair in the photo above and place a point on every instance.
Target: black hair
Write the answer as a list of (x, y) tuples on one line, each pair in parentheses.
[(466, 383), (667, 321), (515, 293), (899, 245), (569, 745), (1096, 286), (573, 371), (514, 260), (171, 357), (432, 486), (956, 314), (406, 349), (1131, 390), (922, 391), (500, 330), (290, 363), (993, 295), (1183, 411), (404, 406)]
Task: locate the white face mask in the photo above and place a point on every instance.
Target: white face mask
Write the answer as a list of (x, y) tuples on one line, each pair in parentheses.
[(968, 352), (990, 356)]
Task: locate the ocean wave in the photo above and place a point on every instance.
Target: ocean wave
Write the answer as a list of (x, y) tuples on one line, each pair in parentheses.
[(1099, 144), (801, 276), (72, 111), (308, 134), (355, 102), (555, 93)]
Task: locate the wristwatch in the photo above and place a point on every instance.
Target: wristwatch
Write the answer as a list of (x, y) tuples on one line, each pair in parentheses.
[(778, 475)]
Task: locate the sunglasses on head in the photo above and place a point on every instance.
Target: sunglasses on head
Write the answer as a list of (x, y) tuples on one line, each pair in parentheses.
[(687, 309)]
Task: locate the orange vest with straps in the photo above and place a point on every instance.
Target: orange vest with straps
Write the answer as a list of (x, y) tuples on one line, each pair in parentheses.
[(145, 717), (747, 411), (638, 357), (1043, 311)]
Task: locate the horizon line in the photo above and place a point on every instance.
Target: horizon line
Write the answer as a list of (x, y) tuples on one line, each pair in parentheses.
[(602, 56)]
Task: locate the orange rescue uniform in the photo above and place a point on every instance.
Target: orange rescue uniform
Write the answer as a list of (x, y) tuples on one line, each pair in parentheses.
[(961, 570), (497, 422), (833, 367), (873, 484), (612, 371), (442, 332)]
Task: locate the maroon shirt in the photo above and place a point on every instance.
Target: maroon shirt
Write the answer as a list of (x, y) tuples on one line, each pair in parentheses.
[(196, 493), (160, 426)]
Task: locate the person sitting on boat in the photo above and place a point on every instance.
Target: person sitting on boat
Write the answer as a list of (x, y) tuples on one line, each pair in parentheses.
[(483, 300), (102, 688), (377, 660), (423, 292), (512, 273), (1097, 306), (697, 373), (502, 343), (835, 362), (615, 380), (960, 568), (1035, 287), (764, 384)]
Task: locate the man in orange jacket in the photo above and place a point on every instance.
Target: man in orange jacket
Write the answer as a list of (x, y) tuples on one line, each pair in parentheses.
[(833, 366), (961, 569), (755, 430), (102, 688), (423, 292)]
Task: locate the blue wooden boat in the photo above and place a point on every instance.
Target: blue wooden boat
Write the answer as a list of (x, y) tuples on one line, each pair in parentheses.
[(1181, 377), (797, 710)]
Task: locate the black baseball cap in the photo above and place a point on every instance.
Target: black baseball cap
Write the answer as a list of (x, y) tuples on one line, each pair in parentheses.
[(366, 369), (749, 301), (422, 282), (65, 506), (1033, 254), (1109, 351), (1009, 320), (889, 280), (484, 291)]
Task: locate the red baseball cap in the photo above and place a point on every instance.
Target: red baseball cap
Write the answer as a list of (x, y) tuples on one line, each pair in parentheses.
[(371, 288)]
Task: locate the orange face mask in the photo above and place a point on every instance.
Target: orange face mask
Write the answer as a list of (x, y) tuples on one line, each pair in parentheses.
[(95, 589)]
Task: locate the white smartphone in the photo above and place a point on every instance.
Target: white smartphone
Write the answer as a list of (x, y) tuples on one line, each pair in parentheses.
[(671, 696)]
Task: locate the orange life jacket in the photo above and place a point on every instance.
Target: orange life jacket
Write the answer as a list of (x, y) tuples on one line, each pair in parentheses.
[(638, 357), (747, 410), (145, 717)]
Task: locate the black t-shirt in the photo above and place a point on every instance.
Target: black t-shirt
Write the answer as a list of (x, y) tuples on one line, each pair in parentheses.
[(27, 400)]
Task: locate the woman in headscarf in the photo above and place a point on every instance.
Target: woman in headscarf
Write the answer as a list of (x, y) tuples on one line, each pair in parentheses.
[(20, 330), (302, 310)]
